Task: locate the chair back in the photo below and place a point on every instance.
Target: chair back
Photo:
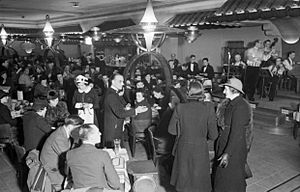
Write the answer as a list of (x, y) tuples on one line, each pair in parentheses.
[(5, 133), (20, 152), (151, 144), (144, 184)]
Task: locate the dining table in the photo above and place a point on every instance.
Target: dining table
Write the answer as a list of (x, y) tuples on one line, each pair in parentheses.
[(119, 161)]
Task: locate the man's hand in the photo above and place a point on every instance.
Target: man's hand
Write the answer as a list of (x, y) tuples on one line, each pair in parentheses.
[(224, 160), (141, 109)]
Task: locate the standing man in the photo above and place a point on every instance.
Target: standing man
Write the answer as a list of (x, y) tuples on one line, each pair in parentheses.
[(53, 154), (254, 59), (173, 62), (231, 148), (100, 62), (115, 111), (289, 65)]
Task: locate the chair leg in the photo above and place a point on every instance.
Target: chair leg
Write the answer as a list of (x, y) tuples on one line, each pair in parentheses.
[(132, 143)]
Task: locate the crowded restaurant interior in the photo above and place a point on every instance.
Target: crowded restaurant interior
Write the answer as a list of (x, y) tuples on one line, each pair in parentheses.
[(150, 95)]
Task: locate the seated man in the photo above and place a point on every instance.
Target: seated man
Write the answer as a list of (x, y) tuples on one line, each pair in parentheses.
[(54, 150), (35, 126), (89, 166)]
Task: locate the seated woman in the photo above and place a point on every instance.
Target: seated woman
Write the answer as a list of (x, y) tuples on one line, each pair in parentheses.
[(42, 88), (5, 116), (57, 110), (89, 166), (141, 121)]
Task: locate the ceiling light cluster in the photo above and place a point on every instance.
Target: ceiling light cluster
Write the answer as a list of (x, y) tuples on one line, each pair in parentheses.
[(192, 34), (3, 35)]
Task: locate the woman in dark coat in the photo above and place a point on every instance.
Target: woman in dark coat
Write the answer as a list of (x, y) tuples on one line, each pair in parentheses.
[(193, 122), (231, 146)]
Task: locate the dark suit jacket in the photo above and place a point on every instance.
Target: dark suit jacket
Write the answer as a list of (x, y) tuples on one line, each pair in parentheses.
[(92, 167), (196, 69), (54, 150), (36, 129), (114, 115), (101, 64), (5, 116), (209, 70)]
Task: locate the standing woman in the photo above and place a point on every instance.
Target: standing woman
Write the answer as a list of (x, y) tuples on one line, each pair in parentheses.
[(86, 100), (193, 122)]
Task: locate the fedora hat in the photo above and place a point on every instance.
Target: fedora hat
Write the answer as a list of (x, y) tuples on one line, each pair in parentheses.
[(234, 83), (39, 104)]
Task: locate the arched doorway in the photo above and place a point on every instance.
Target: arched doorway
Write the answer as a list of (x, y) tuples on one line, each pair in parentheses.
[(130, 68), (149, 59)]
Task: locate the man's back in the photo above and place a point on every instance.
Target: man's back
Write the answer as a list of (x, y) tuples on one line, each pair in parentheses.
[(92, 167), (56, 144), (36, 130)]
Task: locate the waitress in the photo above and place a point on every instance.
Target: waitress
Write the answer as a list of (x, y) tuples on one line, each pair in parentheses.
[(86, 100)]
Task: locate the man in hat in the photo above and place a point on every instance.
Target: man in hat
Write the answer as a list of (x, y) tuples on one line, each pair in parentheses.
[(35, 126), (231, 148)]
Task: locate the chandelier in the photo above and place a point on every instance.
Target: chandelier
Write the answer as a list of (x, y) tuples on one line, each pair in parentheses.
[(148, 31)]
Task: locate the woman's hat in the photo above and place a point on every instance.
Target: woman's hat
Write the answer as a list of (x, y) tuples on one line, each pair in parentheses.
[(52, 94), (234, 83), (3, 94), (39, 104), (81, 79)]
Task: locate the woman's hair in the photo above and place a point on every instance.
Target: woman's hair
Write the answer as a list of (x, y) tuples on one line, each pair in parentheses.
[(85, 130), (73, 120), (196, 90)]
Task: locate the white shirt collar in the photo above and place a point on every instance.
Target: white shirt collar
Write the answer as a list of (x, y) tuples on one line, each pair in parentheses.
[(88, 89), (114, 88)]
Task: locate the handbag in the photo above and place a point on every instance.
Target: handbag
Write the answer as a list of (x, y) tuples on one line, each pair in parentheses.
[(248, 172)]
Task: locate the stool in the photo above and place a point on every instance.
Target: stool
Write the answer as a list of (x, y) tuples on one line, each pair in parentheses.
[(142, 170)]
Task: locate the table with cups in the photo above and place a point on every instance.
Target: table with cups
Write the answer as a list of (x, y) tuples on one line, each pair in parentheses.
[(119, 158)]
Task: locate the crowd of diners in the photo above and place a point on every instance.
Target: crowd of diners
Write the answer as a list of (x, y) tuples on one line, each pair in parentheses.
[(78, 108)]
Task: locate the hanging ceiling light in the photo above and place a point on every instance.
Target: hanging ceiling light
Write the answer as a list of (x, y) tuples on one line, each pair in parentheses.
[(192, 34), (88, 40), (149, 27), (96, 35), (118, 39), (48, 31), (149, 21), (3, 35)]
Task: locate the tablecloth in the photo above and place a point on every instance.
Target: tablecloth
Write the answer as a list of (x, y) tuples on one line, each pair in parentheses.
[(119, 163)]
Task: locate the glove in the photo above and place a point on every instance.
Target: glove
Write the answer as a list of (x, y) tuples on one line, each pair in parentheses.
[(224, 160)]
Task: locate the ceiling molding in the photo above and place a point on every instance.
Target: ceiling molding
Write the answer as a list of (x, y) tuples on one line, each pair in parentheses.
[(165, 10)]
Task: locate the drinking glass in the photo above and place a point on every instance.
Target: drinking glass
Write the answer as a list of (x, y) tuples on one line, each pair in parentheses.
[(117, 144)]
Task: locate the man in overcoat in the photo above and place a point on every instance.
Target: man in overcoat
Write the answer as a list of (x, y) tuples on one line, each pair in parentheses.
[(115, 112), (231, 149)]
